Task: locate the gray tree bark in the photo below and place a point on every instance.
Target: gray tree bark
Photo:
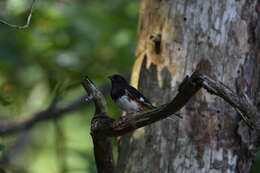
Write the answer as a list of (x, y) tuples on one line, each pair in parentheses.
[(220, 38)]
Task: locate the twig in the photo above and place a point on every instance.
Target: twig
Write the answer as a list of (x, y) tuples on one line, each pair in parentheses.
[(27, 22), (100, 102)]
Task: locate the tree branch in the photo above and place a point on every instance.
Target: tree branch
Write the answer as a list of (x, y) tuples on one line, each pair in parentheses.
[(27, 21), (12, 127), (98, 98), (7, 128), (102, 145), (242, 105)]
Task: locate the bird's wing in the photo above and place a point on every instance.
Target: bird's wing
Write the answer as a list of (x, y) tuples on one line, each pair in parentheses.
[(137, 96)]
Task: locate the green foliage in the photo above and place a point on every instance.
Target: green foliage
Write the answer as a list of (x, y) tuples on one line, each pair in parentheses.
[(66, 41), (4, 99)]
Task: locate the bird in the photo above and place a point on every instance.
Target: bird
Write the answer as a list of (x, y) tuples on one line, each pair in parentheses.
[(128, 98)]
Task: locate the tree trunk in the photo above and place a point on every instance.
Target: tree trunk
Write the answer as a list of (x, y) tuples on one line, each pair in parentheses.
[(176, 37)]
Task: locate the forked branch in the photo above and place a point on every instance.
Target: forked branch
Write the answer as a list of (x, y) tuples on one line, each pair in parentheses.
[(102, 145)]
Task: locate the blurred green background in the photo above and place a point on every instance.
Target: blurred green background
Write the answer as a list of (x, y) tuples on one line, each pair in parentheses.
[(67, 39)]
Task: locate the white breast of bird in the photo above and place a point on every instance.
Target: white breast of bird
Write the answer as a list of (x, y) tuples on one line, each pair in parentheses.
[(127, 105)]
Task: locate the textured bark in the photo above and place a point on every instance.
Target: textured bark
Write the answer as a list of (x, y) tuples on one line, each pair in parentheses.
[(221, 38)]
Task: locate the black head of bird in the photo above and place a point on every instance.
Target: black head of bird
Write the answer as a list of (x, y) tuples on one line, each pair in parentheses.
[(118, 79)]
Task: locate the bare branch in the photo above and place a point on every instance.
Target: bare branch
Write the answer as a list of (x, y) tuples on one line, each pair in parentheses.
[(242, 105), (102, 145), (7, 128), (11, 127), (100, 102), (27, 22)]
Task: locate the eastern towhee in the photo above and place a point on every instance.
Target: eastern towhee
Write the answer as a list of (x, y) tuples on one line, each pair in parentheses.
[(127, 97)]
